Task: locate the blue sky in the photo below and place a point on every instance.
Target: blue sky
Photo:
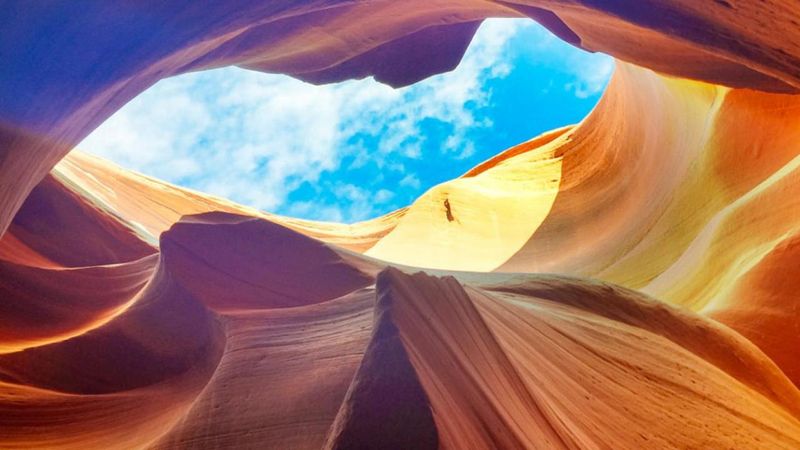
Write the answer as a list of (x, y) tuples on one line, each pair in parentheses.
[(357, 149)]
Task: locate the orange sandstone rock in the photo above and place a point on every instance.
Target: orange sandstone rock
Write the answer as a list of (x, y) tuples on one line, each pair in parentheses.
[(136, 314)]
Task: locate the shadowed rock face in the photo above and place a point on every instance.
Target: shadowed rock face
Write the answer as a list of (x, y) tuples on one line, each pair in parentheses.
[(136, 314), (237, 263), (385, 407)]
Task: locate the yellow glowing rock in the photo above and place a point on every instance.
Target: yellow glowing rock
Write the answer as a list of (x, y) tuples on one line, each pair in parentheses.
[(497, 208), (137, 314)]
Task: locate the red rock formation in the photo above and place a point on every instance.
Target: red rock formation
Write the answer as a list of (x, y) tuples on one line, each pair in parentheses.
[(135, 314)]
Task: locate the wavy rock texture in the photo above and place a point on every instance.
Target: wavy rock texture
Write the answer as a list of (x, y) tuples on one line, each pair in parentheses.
[(136, 314)]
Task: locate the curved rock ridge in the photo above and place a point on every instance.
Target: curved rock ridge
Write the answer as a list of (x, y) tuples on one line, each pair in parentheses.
[(137, 314), (121, 384), (150, 207), (43, 305), (234, 263), (58, 228), (517, 370)]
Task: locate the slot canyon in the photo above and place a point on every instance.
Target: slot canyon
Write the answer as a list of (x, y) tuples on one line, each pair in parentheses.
[(628, 282)]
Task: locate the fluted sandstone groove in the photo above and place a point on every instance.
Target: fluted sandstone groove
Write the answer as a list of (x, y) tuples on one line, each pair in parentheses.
[(137, 314)]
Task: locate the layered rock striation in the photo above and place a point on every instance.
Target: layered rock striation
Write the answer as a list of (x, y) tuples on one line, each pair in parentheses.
[(626, 282)]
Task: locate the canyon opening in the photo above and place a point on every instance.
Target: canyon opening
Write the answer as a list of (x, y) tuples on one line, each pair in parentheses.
[(357, 149)]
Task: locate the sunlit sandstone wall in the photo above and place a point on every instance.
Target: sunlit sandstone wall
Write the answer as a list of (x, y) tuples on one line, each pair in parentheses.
[(128, 320), (687, 191)]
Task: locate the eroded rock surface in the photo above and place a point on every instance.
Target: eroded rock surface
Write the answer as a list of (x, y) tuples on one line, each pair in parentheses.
[(137, 314)]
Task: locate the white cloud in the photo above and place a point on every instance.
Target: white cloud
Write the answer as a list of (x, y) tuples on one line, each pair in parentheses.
[(588, 72), (591, 77), (355, 203), (411, 181), (383, 196)]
